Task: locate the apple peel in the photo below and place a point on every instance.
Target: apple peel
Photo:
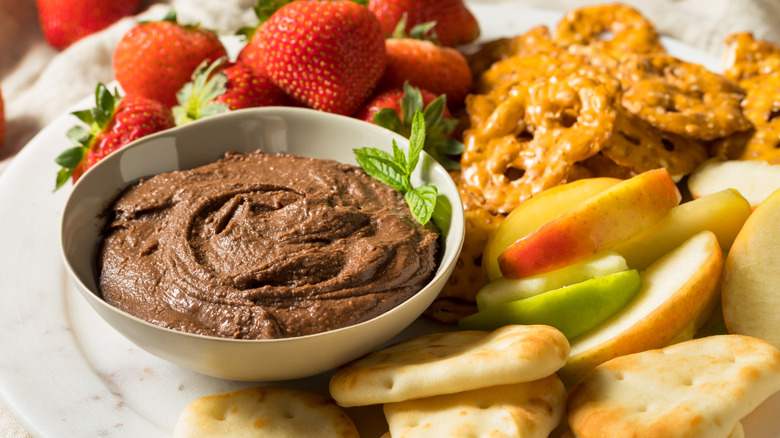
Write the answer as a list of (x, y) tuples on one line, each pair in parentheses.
[(505, 290), (609, 218), (573, 309)]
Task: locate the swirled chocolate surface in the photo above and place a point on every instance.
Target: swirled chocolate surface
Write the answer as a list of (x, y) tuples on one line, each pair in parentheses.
[(262, 246)]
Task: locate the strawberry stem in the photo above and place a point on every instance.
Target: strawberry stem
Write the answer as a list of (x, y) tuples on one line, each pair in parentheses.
[(197, 97)]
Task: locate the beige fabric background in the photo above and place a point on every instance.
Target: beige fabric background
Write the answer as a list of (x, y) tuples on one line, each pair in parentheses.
[(38, 83)]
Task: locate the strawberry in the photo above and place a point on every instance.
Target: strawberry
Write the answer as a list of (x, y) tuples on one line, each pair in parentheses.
[(455, 24), (220, 87), (155, 59), (65, 21), (394, 110), (113, 123), (423, 63), (326, 55)]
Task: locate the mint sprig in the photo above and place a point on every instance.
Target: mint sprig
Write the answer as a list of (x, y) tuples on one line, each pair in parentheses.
[(396, 169)]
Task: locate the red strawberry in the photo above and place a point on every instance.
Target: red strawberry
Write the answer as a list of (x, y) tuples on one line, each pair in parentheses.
[(113, 123), (220, 87), (424, 64), (155, 59), (394, 110), (327, 55), (455, 24), (65, 21)]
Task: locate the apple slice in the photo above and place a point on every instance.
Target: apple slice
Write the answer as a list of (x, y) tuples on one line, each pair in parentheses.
[(754, 179), (613, 216), (534, 213), (751, 280), (504, 290), (722, 212), (571, 309), (676, 290)]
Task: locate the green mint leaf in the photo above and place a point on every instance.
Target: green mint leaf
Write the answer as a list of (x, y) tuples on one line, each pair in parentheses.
[(398, 155), (422, 201), (396, 169), (442, 214), (381, 166), (416, 141)]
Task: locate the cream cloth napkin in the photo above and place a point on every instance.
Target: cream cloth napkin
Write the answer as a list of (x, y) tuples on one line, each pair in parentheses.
[(39, 84)]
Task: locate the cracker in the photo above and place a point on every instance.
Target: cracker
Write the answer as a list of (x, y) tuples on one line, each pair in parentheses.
[(268, 411), (698, 388), (528, 410), (443, 363)]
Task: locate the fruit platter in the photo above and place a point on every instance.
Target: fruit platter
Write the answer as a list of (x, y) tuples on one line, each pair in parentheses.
[(619, 200)]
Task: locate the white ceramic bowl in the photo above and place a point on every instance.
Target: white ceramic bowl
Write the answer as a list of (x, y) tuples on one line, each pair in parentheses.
[(292, 130)]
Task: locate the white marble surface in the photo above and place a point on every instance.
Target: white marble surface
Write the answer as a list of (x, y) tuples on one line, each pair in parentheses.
[(142, 393)]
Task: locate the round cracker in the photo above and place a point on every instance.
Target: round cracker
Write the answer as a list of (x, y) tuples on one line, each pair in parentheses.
[(445, 363), (268, 411), (528, 410), (698, 388)]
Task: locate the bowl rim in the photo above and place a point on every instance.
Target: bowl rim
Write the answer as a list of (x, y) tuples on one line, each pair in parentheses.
[(441, 270)]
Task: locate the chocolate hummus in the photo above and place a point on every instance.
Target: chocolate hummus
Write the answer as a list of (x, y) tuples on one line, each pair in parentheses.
[(262, 246)]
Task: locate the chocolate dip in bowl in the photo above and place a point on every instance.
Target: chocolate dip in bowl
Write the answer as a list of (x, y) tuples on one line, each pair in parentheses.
[(202, 268)]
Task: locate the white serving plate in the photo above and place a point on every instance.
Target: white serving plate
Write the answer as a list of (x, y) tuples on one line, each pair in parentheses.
[(64, 372)]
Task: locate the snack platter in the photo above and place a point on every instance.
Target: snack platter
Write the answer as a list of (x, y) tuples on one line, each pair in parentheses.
[(65, 372)]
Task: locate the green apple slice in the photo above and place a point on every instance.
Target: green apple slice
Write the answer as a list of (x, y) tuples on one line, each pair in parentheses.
[(573, 309), (505, 290)]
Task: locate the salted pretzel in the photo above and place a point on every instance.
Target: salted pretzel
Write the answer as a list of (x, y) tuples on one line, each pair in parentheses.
[(611, 30), (536, 40), (640, 147), (681, 97), (531, 140), (747, 57), (755, 64)]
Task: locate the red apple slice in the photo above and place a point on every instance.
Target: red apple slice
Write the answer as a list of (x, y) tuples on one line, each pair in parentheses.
[(613, 216)]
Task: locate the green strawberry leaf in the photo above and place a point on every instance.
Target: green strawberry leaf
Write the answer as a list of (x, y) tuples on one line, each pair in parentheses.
[(388, 118), (197, 97), (446, 146), (79, 136), (423, 31), (422, 201), (62, 177), (411, 102), (70, 158), (435, 110), (85, 116)]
